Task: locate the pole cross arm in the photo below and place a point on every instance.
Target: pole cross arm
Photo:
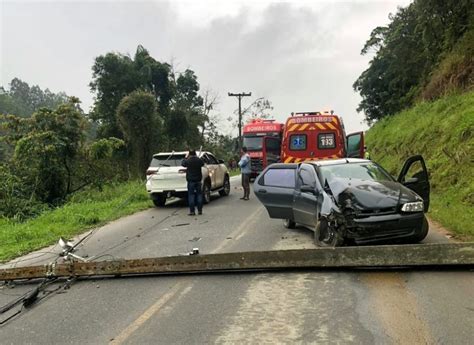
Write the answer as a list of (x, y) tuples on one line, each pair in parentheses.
[(418, 255)]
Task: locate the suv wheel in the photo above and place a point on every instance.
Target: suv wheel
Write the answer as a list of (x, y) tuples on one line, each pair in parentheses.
[(206, 193), (226, 188), (160, 200)]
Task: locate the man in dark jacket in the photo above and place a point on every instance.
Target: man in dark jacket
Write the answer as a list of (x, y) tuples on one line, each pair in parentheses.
[(194, 177)]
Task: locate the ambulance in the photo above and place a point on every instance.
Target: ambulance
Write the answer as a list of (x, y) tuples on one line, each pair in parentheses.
[(315, 136)]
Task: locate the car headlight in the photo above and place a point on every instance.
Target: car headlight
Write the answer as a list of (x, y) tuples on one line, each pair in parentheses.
[(413, 206)]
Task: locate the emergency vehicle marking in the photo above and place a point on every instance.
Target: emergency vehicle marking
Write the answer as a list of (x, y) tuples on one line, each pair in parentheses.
[(307, 126), (307, 119), (320, 125), (290, 159), (292, 128)]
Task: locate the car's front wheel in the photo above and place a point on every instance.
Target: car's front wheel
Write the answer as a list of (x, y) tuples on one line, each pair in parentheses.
[(226, 188), (159, 200), (206, 193), (423, 232), (327, 236)]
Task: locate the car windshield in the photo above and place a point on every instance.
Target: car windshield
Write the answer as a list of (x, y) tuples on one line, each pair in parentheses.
[(361, 171), (253, 143), (167, 161)]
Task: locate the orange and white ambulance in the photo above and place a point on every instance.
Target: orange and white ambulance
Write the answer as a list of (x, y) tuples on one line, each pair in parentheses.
[(318, 135)]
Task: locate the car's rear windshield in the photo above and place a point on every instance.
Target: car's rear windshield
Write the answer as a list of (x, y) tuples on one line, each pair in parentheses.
[(167, 160), (361, 171)]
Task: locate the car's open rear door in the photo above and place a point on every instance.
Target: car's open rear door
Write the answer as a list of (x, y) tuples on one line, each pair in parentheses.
[(275, 187), (414, 175), (355, 145), (271, 150)]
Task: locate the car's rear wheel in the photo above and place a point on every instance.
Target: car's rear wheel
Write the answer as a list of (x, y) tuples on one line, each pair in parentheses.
[(159, 200), (327, 236), (226, 188), (289, 224), (206, 192)]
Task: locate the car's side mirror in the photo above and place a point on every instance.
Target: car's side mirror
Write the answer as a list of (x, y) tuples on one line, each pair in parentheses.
[(220, 161), (308, 189)]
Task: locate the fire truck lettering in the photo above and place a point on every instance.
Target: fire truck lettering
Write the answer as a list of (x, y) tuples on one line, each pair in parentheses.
[(309, 119)]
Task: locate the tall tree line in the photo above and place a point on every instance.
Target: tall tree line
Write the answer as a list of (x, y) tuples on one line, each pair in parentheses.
[(50, 148), (425, 46)]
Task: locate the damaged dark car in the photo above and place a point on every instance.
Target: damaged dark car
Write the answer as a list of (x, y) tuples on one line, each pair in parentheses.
[(348, 201)]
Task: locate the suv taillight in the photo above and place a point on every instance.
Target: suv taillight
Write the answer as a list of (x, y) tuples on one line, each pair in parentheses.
[(182, 171)]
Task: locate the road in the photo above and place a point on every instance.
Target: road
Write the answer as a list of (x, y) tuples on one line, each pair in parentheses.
[(324, 307)]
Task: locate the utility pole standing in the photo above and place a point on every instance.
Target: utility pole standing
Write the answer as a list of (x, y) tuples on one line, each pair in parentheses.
[(239, 96)]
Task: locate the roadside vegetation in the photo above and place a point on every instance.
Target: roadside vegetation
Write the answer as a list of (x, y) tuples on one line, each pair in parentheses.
[(417, 94), (84, 210), (442, 132)]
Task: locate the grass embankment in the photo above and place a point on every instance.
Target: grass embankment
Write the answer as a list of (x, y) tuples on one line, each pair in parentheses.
[(443, 133), (85, 210)]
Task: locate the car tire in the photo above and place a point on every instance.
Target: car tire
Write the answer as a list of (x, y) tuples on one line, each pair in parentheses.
[(206, 193), (325, 236), (423, 233), (289, 224), (160, 200), (226, 187)]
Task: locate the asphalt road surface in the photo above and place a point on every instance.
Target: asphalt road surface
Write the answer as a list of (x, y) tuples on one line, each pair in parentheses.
[(322, 307)]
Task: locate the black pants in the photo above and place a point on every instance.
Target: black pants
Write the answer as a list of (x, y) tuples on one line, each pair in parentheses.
[(194, 196), (246, 184)]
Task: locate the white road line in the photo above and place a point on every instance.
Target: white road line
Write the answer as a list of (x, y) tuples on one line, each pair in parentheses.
[(176, 289), (157, 306)]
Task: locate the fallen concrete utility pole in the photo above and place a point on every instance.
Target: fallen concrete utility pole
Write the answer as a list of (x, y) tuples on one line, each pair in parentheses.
[(419, 255)]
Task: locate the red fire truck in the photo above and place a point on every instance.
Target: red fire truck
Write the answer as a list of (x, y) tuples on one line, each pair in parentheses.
[(316, 135), (254, 133)]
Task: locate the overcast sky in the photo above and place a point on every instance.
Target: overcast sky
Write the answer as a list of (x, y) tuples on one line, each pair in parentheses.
[(301, 55)]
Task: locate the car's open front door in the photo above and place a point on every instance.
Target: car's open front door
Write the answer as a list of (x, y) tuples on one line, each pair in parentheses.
[(271, 150), (355, 145), (274, 187), (414, 175)]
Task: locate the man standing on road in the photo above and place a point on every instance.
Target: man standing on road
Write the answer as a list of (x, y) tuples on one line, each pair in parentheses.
[(245, 170), (194, 177)]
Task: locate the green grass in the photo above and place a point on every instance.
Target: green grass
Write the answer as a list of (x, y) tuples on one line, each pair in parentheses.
[(443, 133), (85, 210), (234, 172)]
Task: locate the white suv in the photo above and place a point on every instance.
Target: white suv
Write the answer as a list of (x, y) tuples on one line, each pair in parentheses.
[(166, 177)]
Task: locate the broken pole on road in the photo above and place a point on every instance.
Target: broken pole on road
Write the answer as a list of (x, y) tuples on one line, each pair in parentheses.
[(412, 256)]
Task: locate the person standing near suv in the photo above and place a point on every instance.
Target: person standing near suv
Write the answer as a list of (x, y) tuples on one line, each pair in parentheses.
[(193, 166), (245, 170)]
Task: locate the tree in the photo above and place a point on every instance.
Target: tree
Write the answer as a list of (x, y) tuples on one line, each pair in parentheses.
[(45, 149), (407, 51), (139, 122), (23, 100), (116, 76)]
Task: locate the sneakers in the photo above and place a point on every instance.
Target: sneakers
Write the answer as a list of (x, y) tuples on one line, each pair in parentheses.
[(191, 214)]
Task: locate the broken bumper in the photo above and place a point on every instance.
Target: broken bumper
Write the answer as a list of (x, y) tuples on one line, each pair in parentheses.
[(386, 227)]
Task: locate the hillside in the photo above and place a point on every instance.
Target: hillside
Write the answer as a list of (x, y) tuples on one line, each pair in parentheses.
[(443, 132)]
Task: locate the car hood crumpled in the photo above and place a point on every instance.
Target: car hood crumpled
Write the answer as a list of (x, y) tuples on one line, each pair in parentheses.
[(369, 195)]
